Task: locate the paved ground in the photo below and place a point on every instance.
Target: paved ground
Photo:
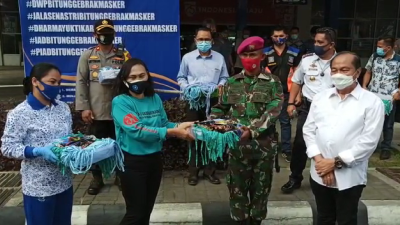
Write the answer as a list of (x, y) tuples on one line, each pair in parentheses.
[(174, 189)]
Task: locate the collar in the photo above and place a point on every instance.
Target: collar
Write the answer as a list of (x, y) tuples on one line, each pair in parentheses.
[(334, 54), (36, 104), (200, 56), (391, 57), (242, 75), (356, 93)]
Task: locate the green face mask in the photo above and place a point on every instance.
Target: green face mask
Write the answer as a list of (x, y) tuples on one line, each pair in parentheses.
[(294, 36)]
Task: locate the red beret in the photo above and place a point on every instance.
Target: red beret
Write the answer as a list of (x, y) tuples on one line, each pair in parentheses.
[(251, 44)]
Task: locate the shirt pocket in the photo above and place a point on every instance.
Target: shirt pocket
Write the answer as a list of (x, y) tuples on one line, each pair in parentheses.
[(94, 68), (312, 77), (236, 96), (392, 70), (259, 99)]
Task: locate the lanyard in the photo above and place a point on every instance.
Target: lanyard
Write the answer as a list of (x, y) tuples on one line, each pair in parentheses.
[(327, 65)]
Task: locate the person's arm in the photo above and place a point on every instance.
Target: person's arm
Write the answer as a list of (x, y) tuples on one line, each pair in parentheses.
[(222, 107), (82, 84), (223, 77), (183, 74), (298, 80), (134, 128), (309, 132), (272, 110), (14, 134), (296, 63), (368, 73), (369, 136)]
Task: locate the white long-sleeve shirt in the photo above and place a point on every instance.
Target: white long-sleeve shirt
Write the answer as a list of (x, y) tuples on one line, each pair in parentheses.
[(32, 124), (348, 128)]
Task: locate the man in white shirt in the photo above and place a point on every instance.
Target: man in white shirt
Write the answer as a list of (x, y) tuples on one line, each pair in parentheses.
[(341, 132)]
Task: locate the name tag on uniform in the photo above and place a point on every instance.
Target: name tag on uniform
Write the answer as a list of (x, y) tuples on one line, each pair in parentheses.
[(313, 67), (94, 57), (271, 59)]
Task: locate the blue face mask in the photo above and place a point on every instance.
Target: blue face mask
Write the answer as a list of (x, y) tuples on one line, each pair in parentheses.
[(320, 50), (204, 46), (380, 51), (279, 41), (50, 92)]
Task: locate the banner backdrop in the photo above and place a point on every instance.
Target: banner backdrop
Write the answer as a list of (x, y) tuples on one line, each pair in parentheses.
[(58, 31)]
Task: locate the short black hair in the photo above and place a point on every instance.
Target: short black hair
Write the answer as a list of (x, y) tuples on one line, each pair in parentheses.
[(206, 29), (314, 29), (280, 28), (295, 28), (388, 40), (356, 59), (38, 71), (121, 88), (330, 33)]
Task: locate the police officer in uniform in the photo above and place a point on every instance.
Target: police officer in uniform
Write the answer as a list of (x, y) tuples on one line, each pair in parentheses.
[(312, 76), (94, 98), (281, 60)]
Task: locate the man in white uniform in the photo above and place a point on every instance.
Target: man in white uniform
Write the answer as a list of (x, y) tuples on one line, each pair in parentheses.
[(311, 76), (342, 131)]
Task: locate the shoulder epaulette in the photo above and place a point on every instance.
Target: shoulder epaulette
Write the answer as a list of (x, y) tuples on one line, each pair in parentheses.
[(268, 50), (238, 76), (307, 55)]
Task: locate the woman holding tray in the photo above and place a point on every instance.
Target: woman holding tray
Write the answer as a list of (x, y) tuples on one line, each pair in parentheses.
[(141, 126), (29, 129)]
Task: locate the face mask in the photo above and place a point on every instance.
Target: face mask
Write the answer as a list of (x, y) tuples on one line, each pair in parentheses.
[(105, 39), (250, 64), (320, 50), (50, 92), (204, 46), (380, 52), (294, 36), (342, 81), (279, 41), (137, 87)]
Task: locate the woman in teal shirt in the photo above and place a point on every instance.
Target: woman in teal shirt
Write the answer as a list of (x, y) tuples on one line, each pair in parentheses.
[(141, 126)]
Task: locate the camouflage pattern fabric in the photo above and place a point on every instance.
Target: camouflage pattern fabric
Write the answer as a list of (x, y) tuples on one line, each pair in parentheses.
[(255, 102)]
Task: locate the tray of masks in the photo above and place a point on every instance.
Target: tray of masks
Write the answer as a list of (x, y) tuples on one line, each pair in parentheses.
[(221, 126), (77, 152)]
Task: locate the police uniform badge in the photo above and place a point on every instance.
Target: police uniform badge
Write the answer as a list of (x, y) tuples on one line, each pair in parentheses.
[(312, 78), (104, 22), (95, 74), (291, 59)]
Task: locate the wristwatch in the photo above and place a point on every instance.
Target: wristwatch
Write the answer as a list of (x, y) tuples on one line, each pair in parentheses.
[(291, 103), (339, 163)]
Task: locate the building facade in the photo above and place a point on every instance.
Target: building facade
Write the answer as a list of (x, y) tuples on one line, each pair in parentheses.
[(359, 22)]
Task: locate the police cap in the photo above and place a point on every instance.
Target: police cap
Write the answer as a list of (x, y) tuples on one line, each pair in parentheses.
[(104, 26), (251, 44)]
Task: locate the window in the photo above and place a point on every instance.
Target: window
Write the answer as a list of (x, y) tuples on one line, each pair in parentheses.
[(10, 33), (387, 8), (361, 22)]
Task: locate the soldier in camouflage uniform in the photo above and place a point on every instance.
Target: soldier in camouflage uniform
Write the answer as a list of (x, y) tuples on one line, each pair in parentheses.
[(254, 99)]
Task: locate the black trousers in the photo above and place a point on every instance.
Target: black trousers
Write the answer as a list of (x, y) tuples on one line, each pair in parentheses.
[(101, 129), (139, 184), (299, 155), (336, 206), (195, 162)]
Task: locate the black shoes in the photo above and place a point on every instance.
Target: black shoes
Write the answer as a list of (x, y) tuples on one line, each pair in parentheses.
[(290, 186), (385, 155)]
